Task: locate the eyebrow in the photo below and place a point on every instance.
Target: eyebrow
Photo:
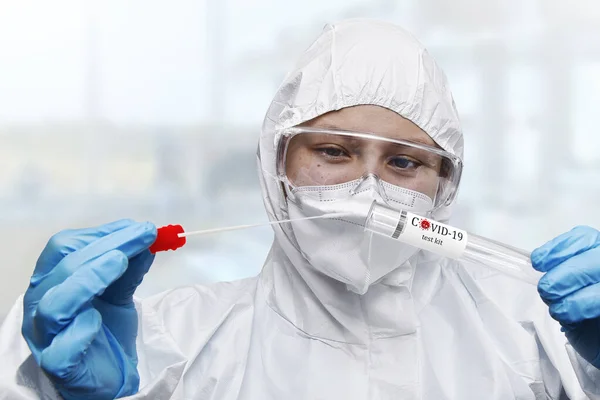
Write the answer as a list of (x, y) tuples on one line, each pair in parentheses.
[(416, 139)]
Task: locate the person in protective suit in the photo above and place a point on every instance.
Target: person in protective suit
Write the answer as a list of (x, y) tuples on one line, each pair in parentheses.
[(366, 115)]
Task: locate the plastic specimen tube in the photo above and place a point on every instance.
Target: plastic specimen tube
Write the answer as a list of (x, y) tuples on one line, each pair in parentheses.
[(451, 242)]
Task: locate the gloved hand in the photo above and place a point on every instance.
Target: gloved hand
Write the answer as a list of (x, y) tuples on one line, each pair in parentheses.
[(79, 318), (571, 287)]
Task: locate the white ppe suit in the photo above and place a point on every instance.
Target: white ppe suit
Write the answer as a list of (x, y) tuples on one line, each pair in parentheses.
[(433, 329)]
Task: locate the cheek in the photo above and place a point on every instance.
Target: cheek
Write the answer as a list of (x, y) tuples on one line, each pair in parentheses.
[(301, 171), (307, 174), (423, 184), (293, 164), (304, 171), (428, 185)]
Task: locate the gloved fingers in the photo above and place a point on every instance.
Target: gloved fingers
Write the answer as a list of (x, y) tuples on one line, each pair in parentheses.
[(569, 244), (577, 307), (585, 340), (122, 290), (71, 240), (571, 275), (122, 322), (62, 358), (131, 241), (86, 362), (61, 304)]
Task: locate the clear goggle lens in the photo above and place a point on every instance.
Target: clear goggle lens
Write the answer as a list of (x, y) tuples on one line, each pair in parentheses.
[(312, 157)]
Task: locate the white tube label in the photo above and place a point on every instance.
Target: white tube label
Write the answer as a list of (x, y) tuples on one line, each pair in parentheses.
[(433, 236)]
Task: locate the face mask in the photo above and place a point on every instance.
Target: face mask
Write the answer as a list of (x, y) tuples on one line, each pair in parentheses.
[(341, 248)]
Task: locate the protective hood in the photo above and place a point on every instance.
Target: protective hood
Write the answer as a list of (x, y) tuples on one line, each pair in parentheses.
[(354, 62), (360, 62)]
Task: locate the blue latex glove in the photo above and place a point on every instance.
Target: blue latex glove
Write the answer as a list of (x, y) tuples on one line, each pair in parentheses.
[(571, 287), (79, 319)]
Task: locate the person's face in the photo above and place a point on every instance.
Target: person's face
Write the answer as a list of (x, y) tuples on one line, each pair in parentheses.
[(320, 159)]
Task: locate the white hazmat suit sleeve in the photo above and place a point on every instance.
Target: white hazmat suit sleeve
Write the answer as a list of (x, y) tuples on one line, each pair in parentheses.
[(20, 376), (562, 369), (176, 344), (587, 374)]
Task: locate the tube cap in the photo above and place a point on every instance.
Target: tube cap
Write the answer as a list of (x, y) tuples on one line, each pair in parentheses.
[(167, 239)]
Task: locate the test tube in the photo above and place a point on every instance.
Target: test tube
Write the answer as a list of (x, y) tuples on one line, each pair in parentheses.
[(451, 242)]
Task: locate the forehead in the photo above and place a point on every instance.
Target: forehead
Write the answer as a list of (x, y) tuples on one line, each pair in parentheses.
[(372, 119)]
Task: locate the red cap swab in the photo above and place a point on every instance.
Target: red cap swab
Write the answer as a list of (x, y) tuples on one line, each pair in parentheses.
[(167, 238)]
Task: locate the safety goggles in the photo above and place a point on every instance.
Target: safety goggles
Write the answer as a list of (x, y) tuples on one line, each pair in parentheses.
[(315, 157)]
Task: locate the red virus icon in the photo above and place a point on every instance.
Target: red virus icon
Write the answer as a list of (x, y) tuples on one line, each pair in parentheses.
[(425, 224)]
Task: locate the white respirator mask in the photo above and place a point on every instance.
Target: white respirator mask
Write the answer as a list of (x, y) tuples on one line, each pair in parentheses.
[(340, 247)]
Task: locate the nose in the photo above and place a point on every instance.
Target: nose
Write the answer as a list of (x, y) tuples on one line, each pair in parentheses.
[(369, 181), (371, 163)]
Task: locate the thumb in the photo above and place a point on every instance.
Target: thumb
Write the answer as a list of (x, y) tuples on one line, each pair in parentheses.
[(121, 291)]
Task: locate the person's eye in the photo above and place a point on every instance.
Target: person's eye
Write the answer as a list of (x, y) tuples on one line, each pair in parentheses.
[(404, 163), (331, 151)]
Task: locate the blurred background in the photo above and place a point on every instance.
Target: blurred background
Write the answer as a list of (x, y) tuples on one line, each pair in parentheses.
[(151, 110)]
